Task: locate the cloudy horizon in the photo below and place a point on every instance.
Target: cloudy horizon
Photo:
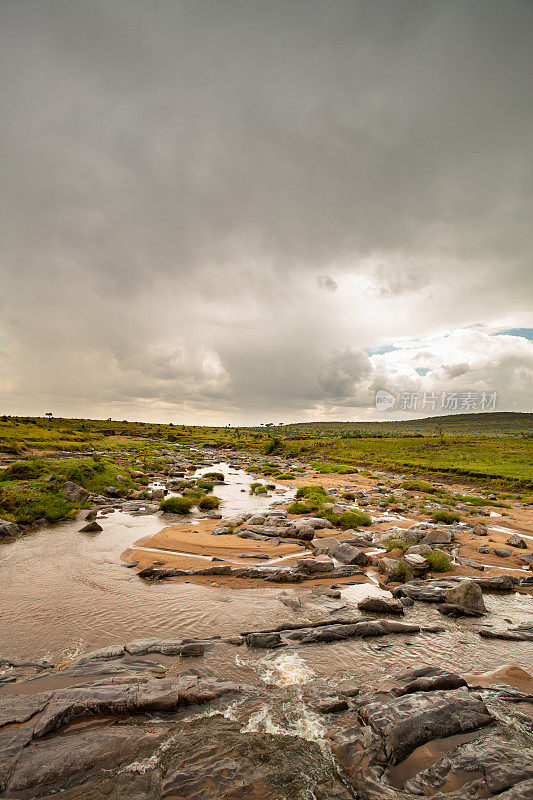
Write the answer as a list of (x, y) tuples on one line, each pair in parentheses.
[(246, 211)]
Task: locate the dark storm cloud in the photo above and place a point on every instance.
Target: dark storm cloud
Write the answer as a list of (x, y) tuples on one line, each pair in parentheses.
[(181, 180)]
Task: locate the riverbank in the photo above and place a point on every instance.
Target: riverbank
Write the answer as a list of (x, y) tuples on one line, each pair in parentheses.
[(478, 545)]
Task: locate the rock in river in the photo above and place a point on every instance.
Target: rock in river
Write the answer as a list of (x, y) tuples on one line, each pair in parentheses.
[(381, 605), (465, 599)]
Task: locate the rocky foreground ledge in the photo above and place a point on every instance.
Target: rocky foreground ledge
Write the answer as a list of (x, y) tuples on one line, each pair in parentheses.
[(116, 724)]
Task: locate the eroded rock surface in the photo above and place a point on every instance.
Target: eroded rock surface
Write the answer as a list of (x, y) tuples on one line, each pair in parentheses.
[(133, 736)]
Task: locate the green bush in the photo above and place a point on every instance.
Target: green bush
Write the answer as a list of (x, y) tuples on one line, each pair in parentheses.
[(401, 573), (275, 445), (445, 516), (23, 470), (393, 544), (348, 496), (28, 505), (207, 486), (419, 486), (286, 476), (208, 503), (177, 505), (440, 561), (214, 476), (317, 493), (351, 519), (301, 508)]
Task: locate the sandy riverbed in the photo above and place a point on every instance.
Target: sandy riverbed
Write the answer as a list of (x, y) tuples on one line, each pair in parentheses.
[(195, 546)]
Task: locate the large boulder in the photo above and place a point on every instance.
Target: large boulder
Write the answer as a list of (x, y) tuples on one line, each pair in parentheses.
[(73, 491), (417, 563), (347, 554), (91, 527), (438, 536), (516, 541), (380, 605), (407, 722), (502, 552), (327, 545), (314, 522), (8, 528), (465, 599), (315, 565)]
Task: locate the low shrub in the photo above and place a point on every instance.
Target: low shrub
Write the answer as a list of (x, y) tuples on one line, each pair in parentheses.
[(350, 519), (301, 508), (214, 476), (448, 517), (393, 544), (275, 445), (348, 496), (419, 486), (29, 505), (286, 476), (23, 470), (440, 561), (177, 505), (207, 486), (317, 493), (401, 573), (209, 502)]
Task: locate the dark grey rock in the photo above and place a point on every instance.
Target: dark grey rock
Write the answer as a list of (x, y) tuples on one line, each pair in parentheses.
[(8, 528), (381, 605)]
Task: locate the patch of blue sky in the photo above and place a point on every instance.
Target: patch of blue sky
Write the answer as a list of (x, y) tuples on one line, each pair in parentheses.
[(380, 351), (524, 333)]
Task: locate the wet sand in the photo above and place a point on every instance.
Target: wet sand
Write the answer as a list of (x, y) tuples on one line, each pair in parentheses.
[(195, 546)]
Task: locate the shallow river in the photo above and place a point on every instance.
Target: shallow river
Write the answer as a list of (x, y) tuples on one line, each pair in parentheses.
[(63, 593)]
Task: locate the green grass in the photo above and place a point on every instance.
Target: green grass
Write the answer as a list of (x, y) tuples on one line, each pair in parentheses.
[(313, 499), (316, 493), (479, 501), (440, 561), (257, 488), (445, 516), (177, 505), (208, 503), (327, 468), (401, 574), (207, 486), (302, 508), (350, 519), (396, 544), (214, 476), (27, 505), (419, 486), (29, 489), (490, 450)]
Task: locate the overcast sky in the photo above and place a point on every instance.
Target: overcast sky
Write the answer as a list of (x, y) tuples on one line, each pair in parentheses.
[(243, 211)]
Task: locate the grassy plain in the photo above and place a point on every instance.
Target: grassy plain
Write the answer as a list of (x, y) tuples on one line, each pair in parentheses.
[(494, 450)]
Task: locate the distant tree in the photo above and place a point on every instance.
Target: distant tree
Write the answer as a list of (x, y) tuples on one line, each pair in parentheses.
[(274, 445), (49, 414)]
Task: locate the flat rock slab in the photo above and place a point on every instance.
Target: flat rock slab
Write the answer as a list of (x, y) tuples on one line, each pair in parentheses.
[(405, 723)]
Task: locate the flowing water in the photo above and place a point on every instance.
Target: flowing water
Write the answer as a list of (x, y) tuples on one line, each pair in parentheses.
[(64, 593)]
